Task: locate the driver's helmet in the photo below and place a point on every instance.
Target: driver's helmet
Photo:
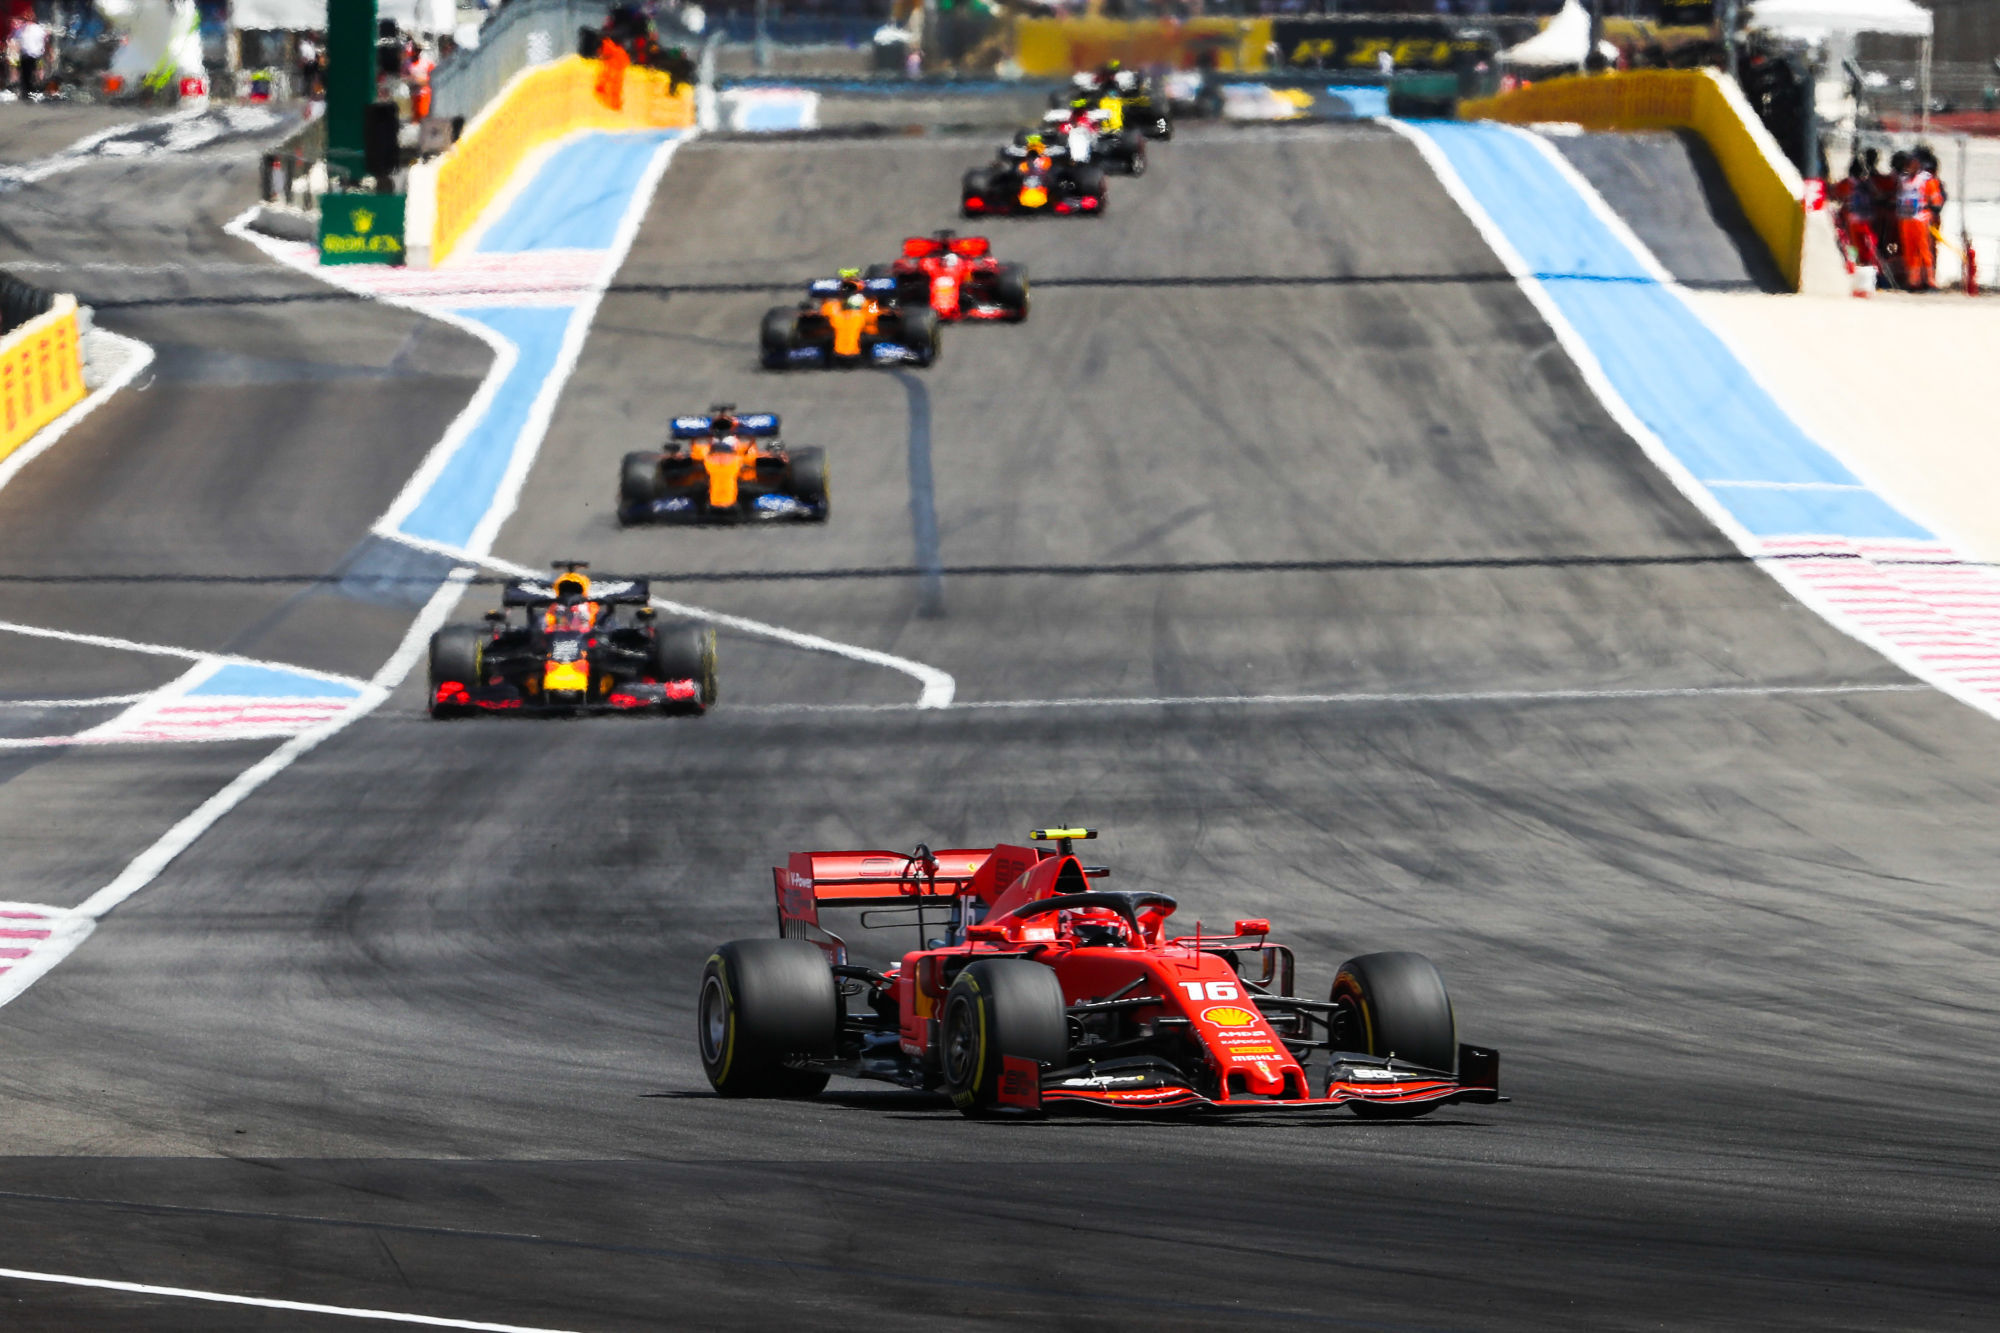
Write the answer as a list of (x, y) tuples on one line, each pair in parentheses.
[(722, 430), (1080, 104), (572, 608), (1034, 143), (850, 285)]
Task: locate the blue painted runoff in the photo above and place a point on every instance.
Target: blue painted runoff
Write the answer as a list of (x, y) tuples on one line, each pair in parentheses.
[(1680, 379), (458, 500), (578, 196), (1363, 103), (241, 680)]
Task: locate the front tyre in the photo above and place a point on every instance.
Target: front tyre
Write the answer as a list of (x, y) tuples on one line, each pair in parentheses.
[(687, 652), (920, 334), (458, 654), (776, 336), (999, 1008), (763, 1002), (638, 482), (1395, 1004)]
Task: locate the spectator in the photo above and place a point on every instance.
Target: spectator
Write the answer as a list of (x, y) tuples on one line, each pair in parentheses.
[(32, 40)]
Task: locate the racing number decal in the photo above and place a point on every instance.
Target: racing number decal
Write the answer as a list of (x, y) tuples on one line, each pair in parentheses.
[(1212, 990)]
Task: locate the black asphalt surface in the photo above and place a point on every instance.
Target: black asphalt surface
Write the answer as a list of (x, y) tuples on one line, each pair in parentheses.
[(410, 1029), (1670, 190)]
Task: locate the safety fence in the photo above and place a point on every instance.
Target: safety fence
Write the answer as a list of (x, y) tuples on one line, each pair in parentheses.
[(1767, 186), (522, 34), (41, 364), (543, 104)]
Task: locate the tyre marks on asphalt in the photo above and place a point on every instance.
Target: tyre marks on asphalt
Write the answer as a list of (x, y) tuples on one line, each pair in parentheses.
[(923, 500)]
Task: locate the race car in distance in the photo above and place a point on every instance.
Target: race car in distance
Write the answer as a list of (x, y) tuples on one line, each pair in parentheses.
[(581, 645), (1033, 177), (1130, 91), (1032, 989), (1093, 134), (849, 321), (957, 277), (723, 467)]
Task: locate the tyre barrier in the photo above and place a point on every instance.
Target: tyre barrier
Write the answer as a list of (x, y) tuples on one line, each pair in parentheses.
[(41, 364)]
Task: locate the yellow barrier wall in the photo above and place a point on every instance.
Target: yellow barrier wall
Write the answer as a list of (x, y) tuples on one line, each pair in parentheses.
[(544, 103), (1767, 185), (1057, 48), (41, 374)]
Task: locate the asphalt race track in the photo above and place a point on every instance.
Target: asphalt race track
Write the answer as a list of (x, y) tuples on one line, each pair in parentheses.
[(410, 1030)]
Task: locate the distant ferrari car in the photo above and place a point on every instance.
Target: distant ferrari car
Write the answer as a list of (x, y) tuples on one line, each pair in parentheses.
[(957, 277), (1033, 177), (581, 645), (724, 467), (1031, 989), (849, 321)]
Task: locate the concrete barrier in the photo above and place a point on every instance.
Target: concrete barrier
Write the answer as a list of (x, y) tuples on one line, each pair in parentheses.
[(1766, 184), (538, 105), (41, 373)]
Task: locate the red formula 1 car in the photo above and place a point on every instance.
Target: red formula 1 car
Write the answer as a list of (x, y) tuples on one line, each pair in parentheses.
[(958, 278), (1031, 989)]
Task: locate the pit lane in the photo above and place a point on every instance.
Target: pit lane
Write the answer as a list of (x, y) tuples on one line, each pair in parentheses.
[(410, 1029)]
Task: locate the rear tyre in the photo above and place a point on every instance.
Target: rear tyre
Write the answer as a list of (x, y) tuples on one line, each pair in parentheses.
[(761, 1003), (687, 652), (1010, 289), (920, 334), (1396, 1004), (880, 271), (457, 654), (1136, 148), (997, 1008), (977, 185), (775, 338), (809, 477), (638, 481), (1090, 182)]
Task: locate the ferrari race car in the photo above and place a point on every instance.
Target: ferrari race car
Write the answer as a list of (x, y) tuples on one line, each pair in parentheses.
[(958, 278), (1031, 989), (582, 645), (723, 467), (1033, 177), (848, 321)]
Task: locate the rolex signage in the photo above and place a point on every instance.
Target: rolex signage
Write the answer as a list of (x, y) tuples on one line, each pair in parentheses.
[(361, 229)]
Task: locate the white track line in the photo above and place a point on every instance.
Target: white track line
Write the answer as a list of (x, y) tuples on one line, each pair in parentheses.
[(266, 1303), (101, 701), (138, 356), (1267, 700), (146, 867)]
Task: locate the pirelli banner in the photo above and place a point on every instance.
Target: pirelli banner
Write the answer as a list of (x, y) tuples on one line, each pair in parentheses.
[(1357, 44)]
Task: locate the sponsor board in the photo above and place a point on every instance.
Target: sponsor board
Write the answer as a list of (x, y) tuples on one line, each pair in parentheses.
[(361, 228)]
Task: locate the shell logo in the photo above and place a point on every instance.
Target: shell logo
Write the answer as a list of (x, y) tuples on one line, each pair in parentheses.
[(1228, 1016)]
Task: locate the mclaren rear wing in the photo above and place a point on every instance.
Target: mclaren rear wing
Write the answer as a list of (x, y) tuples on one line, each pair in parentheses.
[(887, 879)]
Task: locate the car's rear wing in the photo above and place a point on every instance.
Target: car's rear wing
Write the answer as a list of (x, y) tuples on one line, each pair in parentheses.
[(758, 425), (865, 879), (539, 592), (834, 286)]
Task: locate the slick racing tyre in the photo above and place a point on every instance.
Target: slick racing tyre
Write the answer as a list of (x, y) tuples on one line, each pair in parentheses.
[(763, 1002), (1135, 145), (638, 481), (1010, 290), (978, 185), (920, 334), (776, 337), (809, 477), (1395, 1004), (687, 652), (457, 654), (997, 1008), (1090, 181)]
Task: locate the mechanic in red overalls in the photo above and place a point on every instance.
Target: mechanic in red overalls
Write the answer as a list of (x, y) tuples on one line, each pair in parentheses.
[(1856, 196), (1919, 202)]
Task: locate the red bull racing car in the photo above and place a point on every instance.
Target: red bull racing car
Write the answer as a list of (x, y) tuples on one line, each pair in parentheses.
[(580, 645), (1033, 177), (1033, 989), (724, 467), (957, 277)]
